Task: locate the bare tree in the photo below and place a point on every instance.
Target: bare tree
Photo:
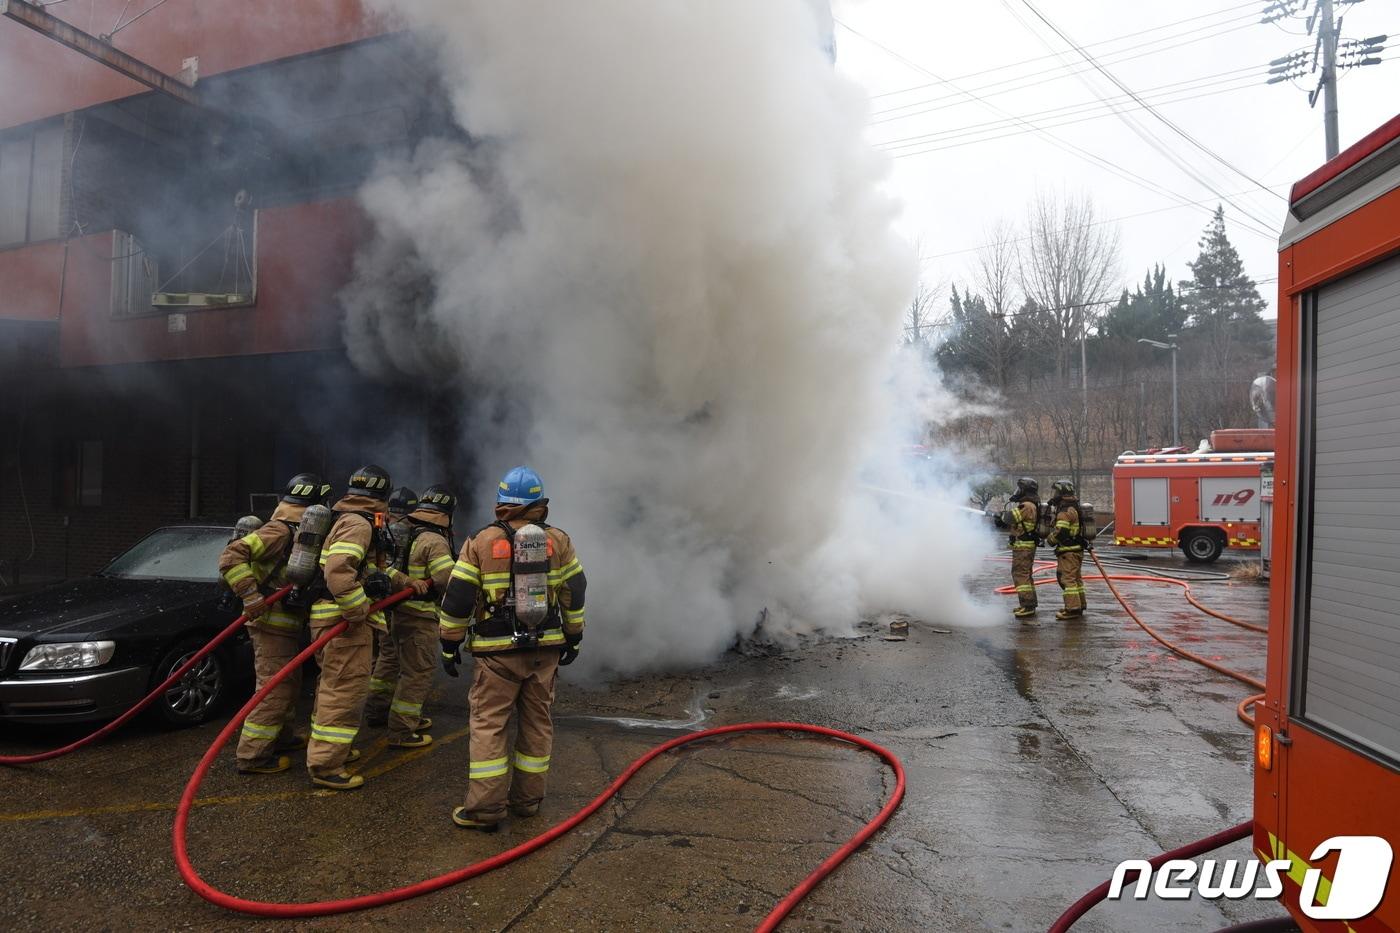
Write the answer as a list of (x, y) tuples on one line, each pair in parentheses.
[(1067, 265), (996, 267), (921, 320), (994, 275)]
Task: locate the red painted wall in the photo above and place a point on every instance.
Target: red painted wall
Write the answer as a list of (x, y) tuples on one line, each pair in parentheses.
[(224, 34), (304, 257), (29, 282)]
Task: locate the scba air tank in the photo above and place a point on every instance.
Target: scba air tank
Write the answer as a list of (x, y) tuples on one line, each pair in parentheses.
[(304, 561), (246, 526), (530, 570), (401, 532), (1088, 528)]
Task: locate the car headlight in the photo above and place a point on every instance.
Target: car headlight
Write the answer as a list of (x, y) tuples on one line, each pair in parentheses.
[(72, 656)]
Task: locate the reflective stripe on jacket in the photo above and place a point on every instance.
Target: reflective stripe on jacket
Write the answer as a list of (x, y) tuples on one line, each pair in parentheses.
[(480, 579)]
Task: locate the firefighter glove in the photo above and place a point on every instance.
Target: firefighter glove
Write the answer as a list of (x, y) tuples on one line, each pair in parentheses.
[(378, 585), (568, 654), (254, 605), (451, 656), (420, 587)]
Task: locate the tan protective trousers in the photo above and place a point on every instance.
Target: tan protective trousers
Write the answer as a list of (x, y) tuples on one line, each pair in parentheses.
[(403, 675), (263, 730), (521, 682), (1022, 566), (340, 695), (1068, 572)]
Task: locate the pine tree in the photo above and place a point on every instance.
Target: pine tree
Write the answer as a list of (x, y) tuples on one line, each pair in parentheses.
[(1153, 310), (1222, 304)]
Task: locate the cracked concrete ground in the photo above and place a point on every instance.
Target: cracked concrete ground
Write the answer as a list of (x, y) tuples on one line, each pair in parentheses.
[(1037, 758)]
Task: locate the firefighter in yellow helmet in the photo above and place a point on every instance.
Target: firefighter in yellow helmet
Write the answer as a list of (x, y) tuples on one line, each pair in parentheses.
[(1020, 520), (254, 565), (351, 560), (1068, 542), (516, 599), (403, 675)]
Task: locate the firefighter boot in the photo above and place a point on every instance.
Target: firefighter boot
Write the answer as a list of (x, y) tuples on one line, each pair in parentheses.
[(416, 740), (459, 816), (1065, 614), (269, 765), (342, 781)]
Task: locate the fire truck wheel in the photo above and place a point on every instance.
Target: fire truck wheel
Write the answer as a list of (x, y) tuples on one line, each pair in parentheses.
[(1202, 547)]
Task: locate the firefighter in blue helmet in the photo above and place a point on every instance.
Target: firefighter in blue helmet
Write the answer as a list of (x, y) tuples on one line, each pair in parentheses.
[(515, 599)]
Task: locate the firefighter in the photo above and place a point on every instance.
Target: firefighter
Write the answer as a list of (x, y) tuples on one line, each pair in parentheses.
[(407, 656), (1021, 519), (253, 566), (402, 501), (1068, 543), (516, 665), (351, 558)]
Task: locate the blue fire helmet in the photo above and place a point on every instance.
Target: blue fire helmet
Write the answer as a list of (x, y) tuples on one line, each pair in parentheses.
[(521, 486)]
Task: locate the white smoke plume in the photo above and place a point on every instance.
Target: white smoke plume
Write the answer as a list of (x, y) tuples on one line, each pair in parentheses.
[(667, 275)]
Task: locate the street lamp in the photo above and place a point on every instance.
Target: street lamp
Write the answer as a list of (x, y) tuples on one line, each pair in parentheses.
[(1176, 425)]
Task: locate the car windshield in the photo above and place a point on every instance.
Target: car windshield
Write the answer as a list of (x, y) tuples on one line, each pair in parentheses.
[(173, 554)]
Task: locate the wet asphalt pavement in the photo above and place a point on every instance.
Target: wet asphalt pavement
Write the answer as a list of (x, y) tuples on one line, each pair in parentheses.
[(1037, 758)]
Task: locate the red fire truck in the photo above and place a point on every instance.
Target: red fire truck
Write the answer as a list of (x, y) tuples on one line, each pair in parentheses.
[(1327, 750), (1200, 501)]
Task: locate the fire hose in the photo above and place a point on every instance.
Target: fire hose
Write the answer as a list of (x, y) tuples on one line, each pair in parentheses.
[(1108, 578), (1082, 906), (1192, 849), (124, 718), (322, 908)]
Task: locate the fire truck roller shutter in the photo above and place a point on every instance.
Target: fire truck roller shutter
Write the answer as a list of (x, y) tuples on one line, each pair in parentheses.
[(1349, 665), (1150, 505)]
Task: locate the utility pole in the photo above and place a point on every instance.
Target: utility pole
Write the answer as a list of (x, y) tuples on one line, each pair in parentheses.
[(1327, 35), (1329, 55), (1176, 418), (1083, 368)]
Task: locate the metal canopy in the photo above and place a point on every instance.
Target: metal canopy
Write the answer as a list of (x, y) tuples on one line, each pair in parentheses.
[(96, 49)]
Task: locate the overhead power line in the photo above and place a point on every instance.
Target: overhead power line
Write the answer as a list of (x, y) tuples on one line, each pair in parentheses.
[(1101, 107), (1154, 143), (1148, 107), (1094, 223), (1031, 79), (1056, 141), (1109, 41)]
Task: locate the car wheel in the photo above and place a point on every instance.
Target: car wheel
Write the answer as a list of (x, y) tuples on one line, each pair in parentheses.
[(1202, 547), (196, 696)]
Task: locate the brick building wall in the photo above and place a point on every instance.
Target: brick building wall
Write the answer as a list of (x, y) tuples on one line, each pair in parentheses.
[(259, 421)]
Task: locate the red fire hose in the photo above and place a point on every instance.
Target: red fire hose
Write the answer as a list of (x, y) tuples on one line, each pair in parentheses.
[(1192, 849), (321, 908), (1108, 578), (1201, 846), (150, 698)]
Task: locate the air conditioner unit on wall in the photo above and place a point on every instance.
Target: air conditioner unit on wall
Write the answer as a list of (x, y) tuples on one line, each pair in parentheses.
[(135, 274)]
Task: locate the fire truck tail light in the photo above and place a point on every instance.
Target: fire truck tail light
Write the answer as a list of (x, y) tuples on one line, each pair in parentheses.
[(1264, 747)]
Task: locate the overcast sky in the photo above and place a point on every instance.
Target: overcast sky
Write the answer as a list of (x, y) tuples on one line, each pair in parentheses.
[(956, 179)]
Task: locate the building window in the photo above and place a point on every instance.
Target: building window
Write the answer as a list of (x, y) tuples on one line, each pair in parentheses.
[(31, 181)]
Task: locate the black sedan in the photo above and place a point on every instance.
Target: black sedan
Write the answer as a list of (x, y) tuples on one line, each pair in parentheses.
[(89, 649)]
